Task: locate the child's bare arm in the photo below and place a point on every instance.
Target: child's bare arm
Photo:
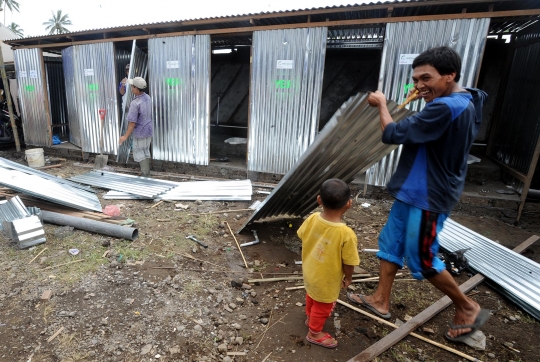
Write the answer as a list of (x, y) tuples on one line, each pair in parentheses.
[(347, 279)]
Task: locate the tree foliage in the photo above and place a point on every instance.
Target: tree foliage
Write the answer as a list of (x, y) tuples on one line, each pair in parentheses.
[(16, 29), (10, 4), (57, 24)]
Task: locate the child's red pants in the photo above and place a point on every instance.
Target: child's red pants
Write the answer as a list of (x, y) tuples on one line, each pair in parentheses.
[(317, 313)]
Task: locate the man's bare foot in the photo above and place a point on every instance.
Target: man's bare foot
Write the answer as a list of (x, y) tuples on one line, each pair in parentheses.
[(464, 316), (322, 339)]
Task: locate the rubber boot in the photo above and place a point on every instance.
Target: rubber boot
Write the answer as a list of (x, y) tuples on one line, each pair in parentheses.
[(145, 167)]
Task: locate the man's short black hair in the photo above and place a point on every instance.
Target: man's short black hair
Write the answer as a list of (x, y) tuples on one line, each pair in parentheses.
[(334, 193), (444, 59)]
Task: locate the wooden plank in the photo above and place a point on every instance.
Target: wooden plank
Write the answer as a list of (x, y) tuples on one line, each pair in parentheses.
[(392, 338), (47, 294), (231, 31), (521, 177), (55, 334)]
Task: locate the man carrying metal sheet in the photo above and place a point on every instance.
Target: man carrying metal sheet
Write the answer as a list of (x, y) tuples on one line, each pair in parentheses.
[(140, 124), (428, 183)]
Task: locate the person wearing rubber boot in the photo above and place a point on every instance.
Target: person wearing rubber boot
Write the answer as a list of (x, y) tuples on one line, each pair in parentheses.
[(428, 183), (140, 124), (329, 254)]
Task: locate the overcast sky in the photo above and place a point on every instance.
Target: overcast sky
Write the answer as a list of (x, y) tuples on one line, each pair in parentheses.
[(110, 13)]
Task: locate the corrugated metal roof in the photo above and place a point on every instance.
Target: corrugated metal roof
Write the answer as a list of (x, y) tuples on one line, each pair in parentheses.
[(318, 14), (348, 144), (518, 276)]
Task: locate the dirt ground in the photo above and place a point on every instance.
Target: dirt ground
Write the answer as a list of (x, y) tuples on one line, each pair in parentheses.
[(164, 297)]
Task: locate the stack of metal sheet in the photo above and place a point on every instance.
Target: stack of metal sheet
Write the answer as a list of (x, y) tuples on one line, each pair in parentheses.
[(514, 275), (349, 144), (18, 224), (49, 189), (135, 185), (10, 165), (240, 190)]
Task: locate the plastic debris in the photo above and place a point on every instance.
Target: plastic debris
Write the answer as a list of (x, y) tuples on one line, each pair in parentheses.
[(111, 210)]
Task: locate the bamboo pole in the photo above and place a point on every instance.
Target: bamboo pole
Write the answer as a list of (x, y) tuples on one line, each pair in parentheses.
[(8, 98), (237, 244), (449, 349)]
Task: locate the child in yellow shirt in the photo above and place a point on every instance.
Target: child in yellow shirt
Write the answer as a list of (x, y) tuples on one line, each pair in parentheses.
[(329, 254)]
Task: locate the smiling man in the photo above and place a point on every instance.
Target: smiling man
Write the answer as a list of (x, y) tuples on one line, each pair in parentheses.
[(428, 183)]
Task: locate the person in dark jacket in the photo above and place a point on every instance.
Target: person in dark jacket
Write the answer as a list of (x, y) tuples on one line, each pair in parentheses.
[(428, 183)]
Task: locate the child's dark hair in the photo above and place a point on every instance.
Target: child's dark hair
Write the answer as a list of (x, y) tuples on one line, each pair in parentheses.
[(334, 193), (444, 59)]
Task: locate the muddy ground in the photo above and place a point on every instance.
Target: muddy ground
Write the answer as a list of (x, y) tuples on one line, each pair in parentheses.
[(163, 297)]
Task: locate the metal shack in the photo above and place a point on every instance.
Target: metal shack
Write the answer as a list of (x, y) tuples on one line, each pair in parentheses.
[(257, 88)]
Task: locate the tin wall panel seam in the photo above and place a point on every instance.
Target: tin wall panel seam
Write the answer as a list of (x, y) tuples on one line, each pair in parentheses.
[(285, 98), (71, 98), (138, 67), (466, 36), (29, 73), (349, 143), (516, 274), (518, 128), (95, 88), (180, 84)]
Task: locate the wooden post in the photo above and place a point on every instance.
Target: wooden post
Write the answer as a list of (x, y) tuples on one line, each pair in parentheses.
[(8, 98)]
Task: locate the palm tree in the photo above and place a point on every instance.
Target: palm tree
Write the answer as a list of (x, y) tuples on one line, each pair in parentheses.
[(11, 5), (57, 23), (16, 29)]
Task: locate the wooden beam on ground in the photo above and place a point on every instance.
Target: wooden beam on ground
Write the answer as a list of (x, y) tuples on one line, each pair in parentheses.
[(234, 31), (392, 338)]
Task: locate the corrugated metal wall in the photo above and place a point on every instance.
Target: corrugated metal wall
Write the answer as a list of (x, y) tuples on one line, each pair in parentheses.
[(518, 126), (57, 98), (180, 83), (138, 67), (286, 85), (94, 87), (33, 100), (467, 37), (71, 98)]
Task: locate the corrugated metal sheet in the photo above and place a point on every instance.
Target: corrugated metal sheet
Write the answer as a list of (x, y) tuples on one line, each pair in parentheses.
[(71, 97), (57, 99), (239, 190), (180, 83), (26, 232), (517, 275), (12, 209), (467, 37), (135, 185), (49, 190), (7, 164), (518, 128), (95, 88), (33, 97), (285, 92), (349, 143), (138, 67)]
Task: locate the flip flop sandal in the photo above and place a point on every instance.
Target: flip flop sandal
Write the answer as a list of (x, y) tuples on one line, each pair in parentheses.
[(321, 340), (480, 320), (368, 306)]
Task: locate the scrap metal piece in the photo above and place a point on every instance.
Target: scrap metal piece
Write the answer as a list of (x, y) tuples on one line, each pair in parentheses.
[(191, 237), (349, 144), (256, 241), (26, 232), (49, 190), (12, 209), (514, 275), (135, 185)]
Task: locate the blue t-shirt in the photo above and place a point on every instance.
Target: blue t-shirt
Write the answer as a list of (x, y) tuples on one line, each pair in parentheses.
[(436, 142)]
